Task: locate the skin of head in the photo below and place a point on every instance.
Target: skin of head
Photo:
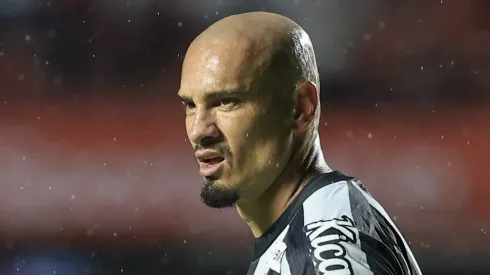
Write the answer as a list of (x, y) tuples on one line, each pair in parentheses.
[(250, 90)]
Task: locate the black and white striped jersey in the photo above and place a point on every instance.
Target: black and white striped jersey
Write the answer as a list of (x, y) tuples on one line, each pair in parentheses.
[(333, 227)]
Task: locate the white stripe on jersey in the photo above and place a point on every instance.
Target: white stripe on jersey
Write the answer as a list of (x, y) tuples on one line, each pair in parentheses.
[(285, 269), (319, 218), (383, 212)]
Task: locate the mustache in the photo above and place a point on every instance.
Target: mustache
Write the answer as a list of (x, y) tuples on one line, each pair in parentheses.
[(221, 148)]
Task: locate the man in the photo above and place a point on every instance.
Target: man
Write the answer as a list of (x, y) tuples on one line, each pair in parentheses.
[(250, 89)]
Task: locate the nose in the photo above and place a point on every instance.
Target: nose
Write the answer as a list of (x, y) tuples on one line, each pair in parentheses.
[(202, 129)]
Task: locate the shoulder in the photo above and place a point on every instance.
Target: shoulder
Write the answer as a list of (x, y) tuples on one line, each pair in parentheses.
[(344, 203)]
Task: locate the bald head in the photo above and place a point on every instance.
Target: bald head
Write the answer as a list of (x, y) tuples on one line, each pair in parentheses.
[(250, 90), (258, 47)]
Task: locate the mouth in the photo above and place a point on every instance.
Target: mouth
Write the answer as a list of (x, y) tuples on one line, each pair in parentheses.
[(209, 162)]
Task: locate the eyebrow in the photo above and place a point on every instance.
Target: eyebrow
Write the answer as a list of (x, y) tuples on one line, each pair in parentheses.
[(212, 95)]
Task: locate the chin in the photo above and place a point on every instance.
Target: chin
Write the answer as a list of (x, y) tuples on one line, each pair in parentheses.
[(216, 194)]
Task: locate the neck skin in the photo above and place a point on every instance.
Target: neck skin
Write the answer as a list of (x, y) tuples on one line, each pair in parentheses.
[(260, 214)]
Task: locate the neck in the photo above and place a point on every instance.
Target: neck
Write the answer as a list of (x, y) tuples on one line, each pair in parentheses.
[(260, 214)]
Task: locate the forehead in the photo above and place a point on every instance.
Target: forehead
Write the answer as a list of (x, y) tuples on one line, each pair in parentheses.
[(216, 66)]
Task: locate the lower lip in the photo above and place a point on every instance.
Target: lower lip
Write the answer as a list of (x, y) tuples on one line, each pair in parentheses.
[(206, 169)]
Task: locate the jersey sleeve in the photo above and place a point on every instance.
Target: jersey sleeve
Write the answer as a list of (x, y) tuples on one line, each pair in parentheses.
[(349, 236)]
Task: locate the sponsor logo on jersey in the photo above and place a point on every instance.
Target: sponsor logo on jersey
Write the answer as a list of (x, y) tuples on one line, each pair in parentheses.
[(328, 241)]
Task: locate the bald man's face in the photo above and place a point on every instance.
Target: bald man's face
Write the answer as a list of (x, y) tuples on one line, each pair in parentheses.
[(239, 128)]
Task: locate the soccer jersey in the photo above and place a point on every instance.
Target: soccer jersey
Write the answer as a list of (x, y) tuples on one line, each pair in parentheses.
[(333, 227)]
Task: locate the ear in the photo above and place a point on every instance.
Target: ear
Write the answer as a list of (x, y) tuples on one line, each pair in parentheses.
[(306, 104)]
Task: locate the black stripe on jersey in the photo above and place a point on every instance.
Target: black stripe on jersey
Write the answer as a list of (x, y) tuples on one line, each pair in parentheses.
[(298, 254), (252, 267), (389, 237), (378, 240), (266, 240)]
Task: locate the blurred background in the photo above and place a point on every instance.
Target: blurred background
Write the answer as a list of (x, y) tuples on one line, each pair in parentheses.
[(97, 176)]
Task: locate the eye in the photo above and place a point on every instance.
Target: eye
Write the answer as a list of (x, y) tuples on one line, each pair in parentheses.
[(229, 102), (188, 105)]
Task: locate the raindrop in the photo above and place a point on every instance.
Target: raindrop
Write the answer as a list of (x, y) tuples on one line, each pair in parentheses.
[(449, 164), (129, 20), (49, 187), (23, 157), (185, 241), (22, 188), (370, 135), (28, 37), (381, 25), (366, 37), (180, 24), (468, 142), (421, 68), (73, 197), (442, 137), (158, 13), (21, 77), (114, 138)]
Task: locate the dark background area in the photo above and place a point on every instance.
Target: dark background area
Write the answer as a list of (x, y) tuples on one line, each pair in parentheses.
[(97, 176)]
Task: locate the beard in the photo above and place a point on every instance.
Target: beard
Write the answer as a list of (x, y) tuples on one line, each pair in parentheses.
[(216, 196)]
